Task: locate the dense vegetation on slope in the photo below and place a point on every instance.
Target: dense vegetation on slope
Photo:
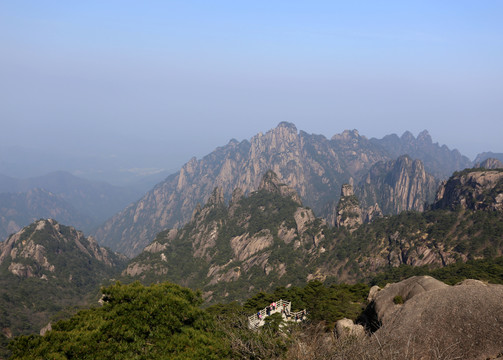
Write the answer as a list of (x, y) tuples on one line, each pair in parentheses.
[(436, 238), (136, 322), (166, 321), (490, 270), (265, 240)]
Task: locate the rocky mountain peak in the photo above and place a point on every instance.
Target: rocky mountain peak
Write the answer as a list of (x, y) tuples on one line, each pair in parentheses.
[(348, 136), (407, 136), (287, 125), (311, 164), (490, 163), (424, 137), (473, 189), (233, 142), (36, 250), (486, 155), (270, 182)]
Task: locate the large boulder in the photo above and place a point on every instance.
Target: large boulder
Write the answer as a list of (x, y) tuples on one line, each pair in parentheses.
[(428, 318)]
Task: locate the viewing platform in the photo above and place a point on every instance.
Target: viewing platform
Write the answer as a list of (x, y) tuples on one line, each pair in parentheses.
[(283, 307)]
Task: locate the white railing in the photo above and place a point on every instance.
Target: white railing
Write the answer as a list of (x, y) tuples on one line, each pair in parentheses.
[(282, 306)]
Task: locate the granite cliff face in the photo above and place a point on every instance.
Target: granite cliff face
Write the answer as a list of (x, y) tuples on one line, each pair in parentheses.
[(398, 185), (316, 167), (473, 189)]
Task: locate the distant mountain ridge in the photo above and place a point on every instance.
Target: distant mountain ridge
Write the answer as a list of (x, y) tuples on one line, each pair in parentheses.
[(20, 209), (97, 199), (486, 155), (59, 195), (313, 165), (438, 160)]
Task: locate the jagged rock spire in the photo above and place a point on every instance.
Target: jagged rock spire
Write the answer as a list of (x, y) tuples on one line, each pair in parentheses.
[(349, 214)]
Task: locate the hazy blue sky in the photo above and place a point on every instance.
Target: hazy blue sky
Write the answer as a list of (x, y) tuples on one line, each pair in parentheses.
[(179, 78)]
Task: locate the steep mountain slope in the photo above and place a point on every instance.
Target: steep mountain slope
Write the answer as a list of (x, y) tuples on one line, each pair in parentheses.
[(313, 165), (438, 160), (46, 267), (20, 209), (229, 251)]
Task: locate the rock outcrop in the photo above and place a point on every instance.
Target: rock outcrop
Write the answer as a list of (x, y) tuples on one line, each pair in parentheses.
[(271, 183), (487, 155), (473, 189), (490, 163), (36, 250), (426, 317)]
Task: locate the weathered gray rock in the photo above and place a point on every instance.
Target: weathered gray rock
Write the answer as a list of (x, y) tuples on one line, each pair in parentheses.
[(490, 163), (348, 214), (464, 320), (472, 189), (346, 327)]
